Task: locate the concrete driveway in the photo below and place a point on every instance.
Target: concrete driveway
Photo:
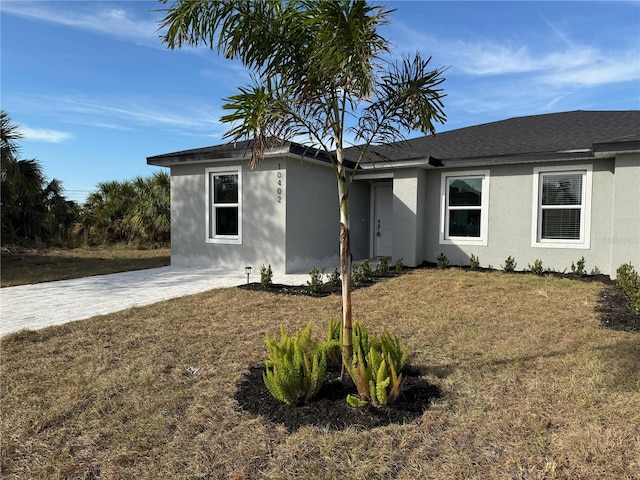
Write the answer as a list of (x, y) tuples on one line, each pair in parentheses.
[(54, 303)]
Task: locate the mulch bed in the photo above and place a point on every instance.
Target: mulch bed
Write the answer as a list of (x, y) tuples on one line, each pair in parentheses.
[(330, 409)]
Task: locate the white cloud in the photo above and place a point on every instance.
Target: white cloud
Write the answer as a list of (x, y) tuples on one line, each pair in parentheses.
[(101, 18), (178, 114), (567, 63), (44, 135)]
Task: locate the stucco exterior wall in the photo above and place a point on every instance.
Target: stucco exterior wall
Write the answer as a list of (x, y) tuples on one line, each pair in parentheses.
[(409, 197), (510, 221), (625, 238), (263, 219), (312, 222)]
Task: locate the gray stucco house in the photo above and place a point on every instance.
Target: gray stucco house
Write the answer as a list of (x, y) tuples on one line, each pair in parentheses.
[(554, 187)]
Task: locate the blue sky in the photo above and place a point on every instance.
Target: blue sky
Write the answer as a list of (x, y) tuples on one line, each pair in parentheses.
[(96, 91)]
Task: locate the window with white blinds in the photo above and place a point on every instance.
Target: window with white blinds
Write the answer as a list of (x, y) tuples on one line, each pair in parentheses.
[(562, 207)]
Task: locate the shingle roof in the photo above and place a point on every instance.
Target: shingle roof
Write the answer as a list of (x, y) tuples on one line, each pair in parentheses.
[(531, 135), (549, 136)]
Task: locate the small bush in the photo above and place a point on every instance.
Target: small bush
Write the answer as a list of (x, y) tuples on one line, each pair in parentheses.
[(334, 278), (509, 264), (266, 276), (296, 367), (578, 268), (442, 261), (315, 283), (628, 280), (536, 268), (365, 269), (356, 274), (383, 265), (474, 263), (399, 265), (333, 344), (375, 367)]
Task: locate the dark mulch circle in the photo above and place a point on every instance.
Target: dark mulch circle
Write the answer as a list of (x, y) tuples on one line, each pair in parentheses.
[(615, 309), (330, 409)]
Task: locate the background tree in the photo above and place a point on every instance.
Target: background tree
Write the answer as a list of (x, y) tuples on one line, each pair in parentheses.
[(32, 209), (318, 75), (151, 213), (134, 211)]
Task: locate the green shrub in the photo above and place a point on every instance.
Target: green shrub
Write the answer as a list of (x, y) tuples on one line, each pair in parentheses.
[(442, 261), (509, 264), (334, 278), (578, 268), (474, 263), (365, 269), (315, 283), (375, 367), (383, 265), (333, 344), (296, 367), (628, 280), (266, 276), (356, 274), (536, 268), (399, 265)]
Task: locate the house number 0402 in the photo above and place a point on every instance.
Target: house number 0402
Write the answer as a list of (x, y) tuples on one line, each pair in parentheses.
[(279, 185)]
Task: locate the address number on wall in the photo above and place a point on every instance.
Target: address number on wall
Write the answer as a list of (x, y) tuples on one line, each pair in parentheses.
[(279, 186)]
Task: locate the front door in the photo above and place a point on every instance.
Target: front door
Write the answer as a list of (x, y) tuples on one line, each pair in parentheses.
[(382, 220)]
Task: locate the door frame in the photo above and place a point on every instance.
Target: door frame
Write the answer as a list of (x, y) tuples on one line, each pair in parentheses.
[(372, 215)]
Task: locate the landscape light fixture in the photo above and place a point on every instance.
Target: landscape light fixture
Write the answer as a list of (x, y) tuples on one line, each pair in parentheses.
[(247, 270)]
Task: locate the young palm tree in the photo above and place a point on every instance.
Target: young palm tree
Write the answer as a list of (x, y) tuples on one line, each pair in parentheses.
[(318, 76)]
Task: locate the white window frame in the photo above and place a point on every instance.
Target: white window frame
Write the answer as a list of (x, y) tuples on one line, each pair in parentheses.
[(445, 238), (211, 237), (584, 242)]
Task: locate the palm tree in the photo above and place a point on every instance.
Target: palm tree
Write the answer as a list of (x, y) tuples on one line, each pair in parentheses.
[(151, 211), (318, 75), (109, 207)]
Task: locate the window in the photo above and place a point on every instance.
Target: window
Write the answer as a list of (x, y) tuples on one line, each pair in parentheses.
[(561, 207), (224, 205), (465, 200)]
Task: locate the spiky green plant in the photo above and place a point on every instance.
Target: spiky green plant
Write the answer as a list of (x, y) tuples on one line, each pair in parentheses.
[(536, 268), (399, 264), (383, 265), (375, 367), (296, 367), (315, 282), (332, 345), (443, 261), (266, 276)]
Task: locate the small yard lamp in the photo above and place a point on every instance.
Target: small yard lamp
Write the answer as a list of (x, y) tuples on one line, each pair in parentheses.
[(247, 270)]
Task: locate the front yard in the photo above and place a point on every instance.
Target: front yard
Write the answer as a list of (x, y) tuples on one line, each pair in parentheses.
[(20, 266), (532, 387)]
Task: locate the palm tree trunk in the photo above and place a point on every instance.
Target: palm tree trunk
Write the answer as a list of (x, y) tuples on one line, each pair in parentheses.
[(345, 269)]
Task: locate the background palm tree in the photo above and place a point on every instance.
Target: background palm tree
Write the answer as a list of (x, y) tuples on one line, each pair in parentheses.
[(318, 73), (32, 209)]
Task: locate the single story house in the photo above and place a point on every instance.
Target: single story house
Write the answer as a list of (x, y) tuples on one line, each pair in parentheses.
[(554, 187)]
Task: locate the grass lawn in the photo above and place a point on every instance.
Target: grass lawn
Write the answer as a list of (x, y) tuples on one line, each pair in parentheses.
[(533, 387), (21, 267)]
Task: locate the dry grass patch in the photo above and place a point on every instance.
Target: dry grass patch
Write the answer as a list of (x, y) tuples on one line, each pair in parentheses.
[(533, 387), (22, 266)]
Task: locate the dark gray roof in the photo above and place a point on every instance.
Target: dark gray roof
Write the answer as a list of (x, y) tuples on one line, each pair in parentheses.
[(536, 135), (233, 150)]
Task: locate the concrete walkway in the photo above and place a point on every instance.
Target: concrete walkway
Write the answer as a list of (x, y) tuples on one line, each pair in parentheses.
[(54, 303)]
